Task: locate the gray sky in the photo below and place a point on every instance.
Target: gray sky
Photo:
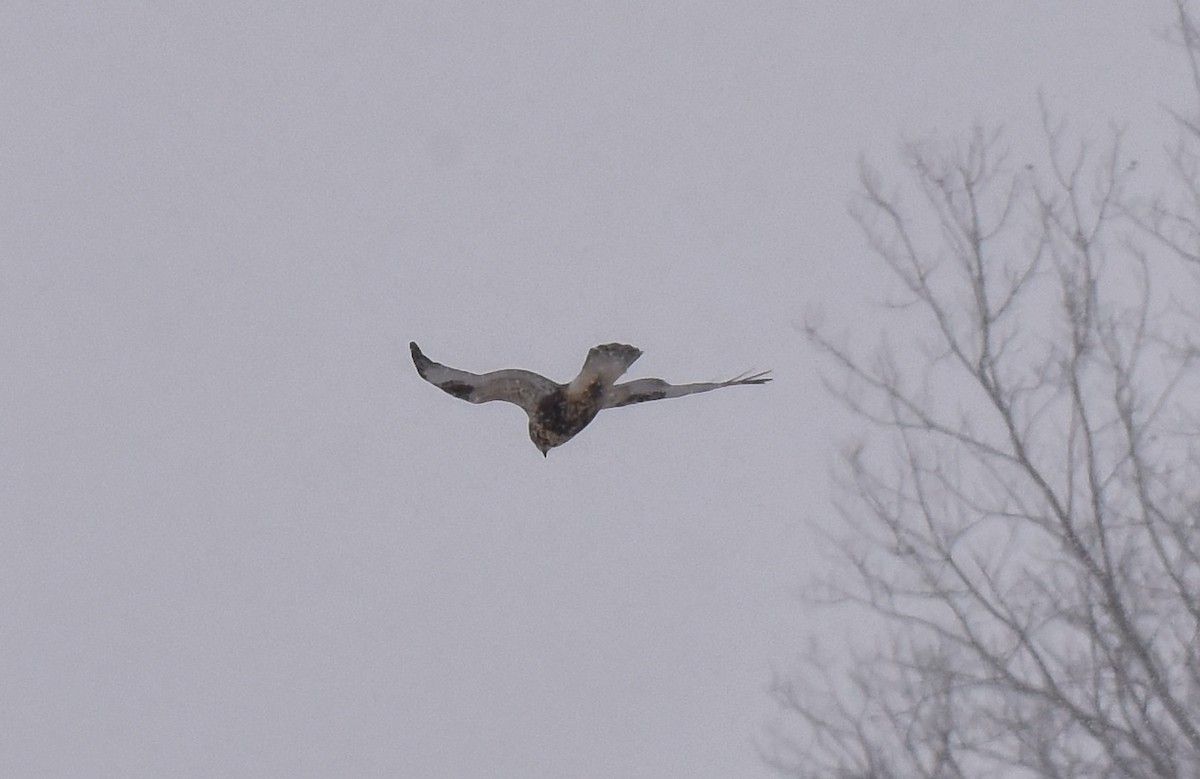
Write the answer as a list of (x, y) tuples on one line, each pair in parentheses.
[(240, 537)]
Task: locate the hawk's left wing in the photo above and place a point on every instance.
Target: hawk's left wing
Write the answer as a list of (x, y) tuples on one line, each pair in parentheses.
[(641, 390), (524, 388)]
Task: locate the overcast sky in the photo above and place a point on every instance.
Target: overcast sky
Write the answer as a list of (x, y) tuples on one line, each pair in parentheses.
[(239, 537)]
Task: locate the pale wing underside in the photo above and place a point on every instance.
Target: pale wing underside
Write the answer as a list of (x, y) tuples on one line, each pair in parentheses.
[(642, 390), (524, 388)]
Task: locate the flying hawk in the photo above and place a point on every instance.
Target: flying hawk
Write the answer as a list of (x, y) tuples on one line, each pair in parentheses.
[(557, 412)]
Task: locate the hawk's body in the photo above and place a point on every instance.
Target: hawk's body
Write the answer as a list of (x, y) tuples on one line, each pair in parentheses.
[(557, 412)]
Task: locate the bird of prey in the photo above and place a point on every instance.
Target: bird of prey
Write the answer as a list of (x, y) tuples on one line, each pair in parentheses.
[(557, 412)]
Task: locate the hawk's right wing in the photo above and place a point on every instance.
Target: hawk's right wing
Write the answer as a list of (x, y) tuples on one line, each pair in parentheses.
[(642, 390), (524, 388)]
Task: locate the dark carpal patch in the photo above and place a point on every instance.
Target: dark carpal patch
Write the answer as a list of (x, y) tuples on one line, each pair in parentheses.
[(644, 396), (458, 389)]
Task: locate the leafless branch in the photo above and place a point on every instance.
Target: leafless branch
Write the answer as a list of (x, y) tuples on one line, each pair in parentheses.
[(1026, 525)]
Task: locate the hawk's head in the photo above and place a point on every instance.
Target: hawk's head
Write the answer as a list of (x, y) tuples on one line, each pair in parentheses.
[(544, 446), (542, 438)]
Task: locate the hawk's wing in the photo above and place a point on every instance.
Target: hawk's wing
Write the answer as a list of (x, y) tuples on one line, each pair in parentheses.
[(641, 390), (525, 388)]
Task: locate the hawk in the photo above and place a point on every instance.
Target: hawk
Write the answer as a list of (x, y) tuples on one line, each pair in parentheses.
[(557, 412)]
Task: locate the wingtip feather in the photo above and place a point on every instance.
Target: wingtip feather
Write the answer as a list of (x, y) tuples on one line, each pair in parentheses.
[(418, 357), (762, 377)]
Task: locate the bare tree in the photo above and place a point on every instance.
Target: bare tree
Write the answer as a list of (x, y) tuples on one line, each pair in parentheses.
[(1025, 519)]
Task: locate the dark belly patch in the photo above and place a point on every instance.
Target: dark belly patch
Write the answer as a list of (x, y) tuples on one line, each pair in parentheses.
[(564, 416)]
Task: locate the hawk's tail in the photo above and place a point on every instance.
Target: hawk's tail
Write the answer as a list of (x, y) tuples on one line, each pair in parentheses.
[(608, 362)]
